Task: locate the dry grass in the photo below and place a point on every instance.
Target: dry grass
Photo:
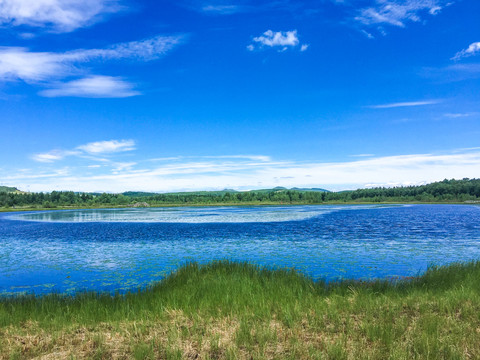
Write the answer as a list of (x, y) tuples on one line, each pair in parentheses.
[(193, 337)]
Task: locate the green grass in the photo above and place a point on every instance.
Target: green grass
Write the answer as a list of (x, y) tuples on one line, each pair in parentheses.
[(241, 311)]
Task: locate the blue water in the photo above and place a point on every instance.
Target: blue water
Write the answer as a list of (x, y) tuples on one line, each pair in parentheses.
[(123, 249)]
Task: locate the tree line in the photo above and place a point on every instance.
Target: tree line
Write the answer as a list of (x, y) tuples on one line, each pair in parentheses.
[(443, 191)]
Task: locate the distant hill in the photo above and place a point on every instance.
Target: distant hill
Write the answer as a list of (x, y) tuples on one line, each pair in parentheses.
[(281, 188), (218, 192), (9, 189), (446, 191), (138, 194), (310, 189), (146, 194)]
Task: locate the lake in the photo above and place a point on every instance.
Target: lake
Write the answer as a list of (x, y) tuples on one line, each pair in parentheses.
[(124, 249)]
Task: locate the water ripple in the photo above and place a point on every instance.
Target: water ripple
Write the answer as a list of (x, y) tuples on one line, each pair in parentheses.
[(118, 250)]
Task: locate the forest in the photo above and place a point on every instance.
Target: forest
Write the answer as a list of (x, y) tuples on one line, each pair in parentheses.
[(446, 191)]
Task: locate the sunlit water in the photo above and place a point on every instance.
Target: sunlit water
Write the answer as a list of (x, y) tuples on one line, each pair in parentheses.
[(124, 249)]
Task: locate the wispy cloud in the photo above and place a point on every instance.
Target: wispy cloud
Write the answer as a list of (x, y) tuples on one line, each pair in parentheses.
[(60, 15), (221, 9), (216, 7), (399, 12), (404, 104), (263, 158), (18, 63), (452, 73), (32, 175), (304, 47), (249, 173), (230, 7), (107, 147), (459, 115), (363, 155), (145, 50), (367, 34), (93, 87), (282, 40), (122, 166), (93, 148), (52, 156), (473, 49)]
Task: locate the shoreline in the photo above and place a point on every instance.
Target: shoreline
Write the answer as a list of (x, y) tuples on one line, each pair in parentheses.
[(2, 210), (393, 281)]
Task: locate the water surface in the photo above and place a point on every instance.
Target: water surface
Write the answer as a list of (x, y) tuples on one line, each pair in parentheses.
[(123, 249)]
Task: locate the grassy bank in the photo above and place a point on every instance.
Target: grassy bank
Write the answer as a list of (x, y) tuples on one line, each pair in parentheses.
[(240, 311)]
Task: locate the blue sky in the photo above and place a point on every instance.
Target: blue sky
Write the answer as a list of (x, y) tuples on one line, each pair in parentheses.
[(104, 95)]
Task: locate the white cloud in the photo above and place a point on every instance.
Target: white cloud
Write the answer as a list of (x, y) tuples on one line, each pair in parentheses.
[(459, 115), (61, 15), (245, 173), (93, 87), (119, 167), (51, 156), (147, 49), (404, 104), (367, 34), (26, 35), (20, 63), (363, 155), (93, 148), (229, 7), (246, 157), (28, 174), (279, 39), (473, 49), (398, 12), (105, 147), (262, 158), (48, 68), (221, 9), (452, 73)]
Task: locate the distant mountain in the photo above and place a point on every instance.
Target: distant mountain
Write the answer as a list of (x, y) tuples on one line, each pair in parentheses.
[(278, 188), (9, 189), (138, 194), (146, 194), (281, 188), (219, 192), (310, 189)]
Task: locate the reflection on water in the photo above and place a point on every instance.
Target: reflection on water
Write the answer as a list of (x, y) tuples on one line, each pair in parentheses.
[(186, 214), (118, 250)]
